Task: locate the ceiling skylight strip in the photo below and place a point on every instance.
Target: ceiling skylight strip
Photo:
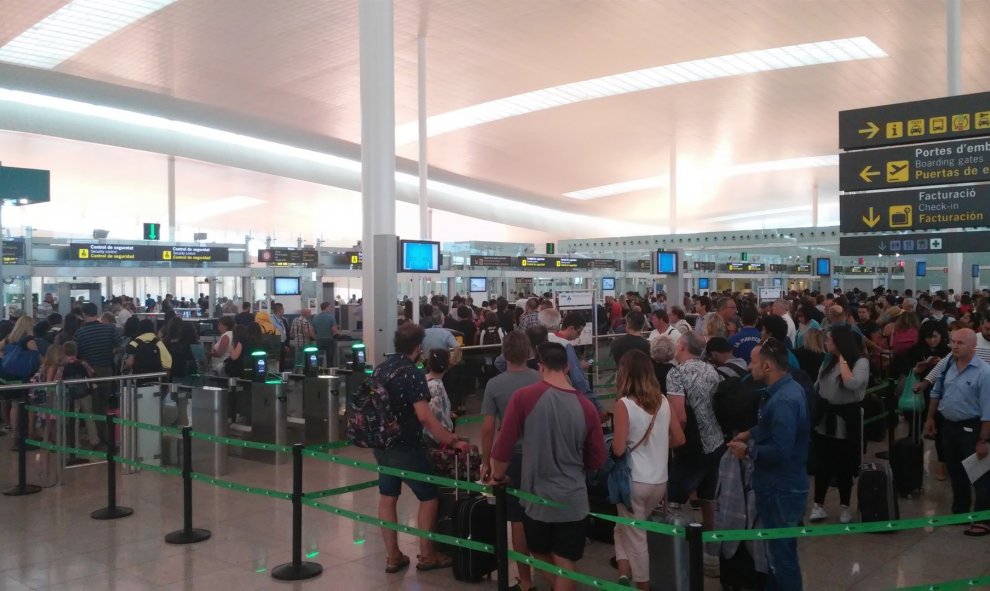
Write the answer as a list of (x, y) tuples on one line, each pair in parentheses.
[(74, 27), (659, 182), (764, 60)]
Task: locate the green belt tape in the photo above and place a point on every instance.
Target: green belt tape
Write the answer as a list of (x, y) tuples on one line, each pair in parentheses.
[(285, 449), (607, 396), (650, 526), (836, 530), (947, 585), (329, 445), (405, 529), (72, 450), (330, 492), (251, 490), (148, 426), (469, 420), (879, 417), (568, 574), (65, 413), (408, 474), (160, 469)]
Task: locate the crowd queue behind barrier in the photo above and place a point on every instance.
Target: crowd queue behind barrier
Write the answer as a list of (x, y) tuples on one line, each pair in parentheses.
[(326, 450)]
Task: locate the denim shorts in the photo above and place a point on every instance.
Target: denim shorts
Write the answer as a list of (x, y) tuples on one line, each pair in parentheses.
[(413, 459)]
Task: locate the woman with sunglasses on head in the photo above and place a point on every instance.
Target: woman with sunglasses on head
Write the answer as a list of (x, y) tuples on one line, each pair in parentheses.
[(841, 387)]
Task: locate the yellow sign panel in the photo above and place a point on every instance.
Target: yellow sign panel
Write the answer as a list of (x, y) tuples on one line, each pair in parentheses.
[(84, 253), (900, 216), (895, 129), (983, 120), (558, 263), (524, 262), (938, 125), (960, 122), (166, 255), (898, 171), (916, 127), (354, 259)]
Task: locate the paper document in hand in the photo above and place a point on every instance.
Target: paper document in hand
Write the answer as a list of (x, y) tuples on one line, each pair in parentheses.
[(976, 467)]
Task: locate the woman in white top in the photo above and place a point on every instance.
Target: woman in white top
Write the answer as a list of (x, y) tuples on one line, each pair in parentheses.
[(643, 425), (221, 349)]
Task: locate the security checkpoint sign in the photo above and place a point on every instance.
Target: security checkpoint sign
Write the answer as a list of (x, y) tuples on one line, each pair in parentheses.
[(934, 208), (962, 161)]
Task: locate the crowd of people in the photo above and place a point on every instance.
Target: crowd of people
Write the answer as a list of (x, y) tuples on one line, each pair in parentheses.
[(796, 370)]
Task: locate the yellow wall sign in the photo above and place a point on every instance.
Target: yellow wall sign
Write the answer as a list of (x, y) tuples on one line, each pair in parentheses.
[(166, 255), (938, 125), (895, 129), (84, 253), (916, 127), (898, 171), (900, 216)]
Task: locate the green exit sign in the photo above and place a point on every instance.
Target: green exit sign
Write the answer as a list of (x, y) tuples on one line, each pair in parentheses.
[(550, 247), (152, 231), (745, 256)]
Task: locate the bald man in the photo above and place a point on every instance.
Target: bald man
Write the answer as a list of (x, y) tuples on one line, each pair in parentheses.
[(962, 394)]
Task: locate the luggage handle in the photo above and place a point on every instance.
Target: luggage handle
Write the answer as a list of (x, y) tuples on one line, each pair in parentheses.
[(467, 462)]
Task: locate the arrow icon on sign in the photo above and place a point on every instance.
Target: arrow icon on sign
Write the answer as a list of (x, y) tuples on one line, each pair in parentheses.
[(867, 173), (870, 131), (871, 220), (882, 246)]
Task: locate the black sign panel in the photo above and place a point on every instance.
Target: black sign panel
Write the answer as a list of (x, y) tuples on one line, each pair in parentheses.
[(148, 253), (802, 269), (860, 270), (286, 257), (919, 121), (946, 163), (916, 209), (914, 244), (535, 262), (600, 263), (13, 252), (197, 254), (490, 261), (704, 266), (745, 267), (642, 266)]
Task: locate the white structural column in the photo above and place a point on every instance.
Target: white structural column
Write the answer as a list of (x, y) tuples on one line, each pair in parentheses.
[(815, 198), (424, 163), (954, 74), (672, 185), (379, 284), (171, 217)]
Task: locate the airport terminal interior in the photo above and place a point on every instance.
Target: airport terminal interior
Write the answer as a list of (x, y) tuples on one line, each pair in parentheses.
[(221, 219)]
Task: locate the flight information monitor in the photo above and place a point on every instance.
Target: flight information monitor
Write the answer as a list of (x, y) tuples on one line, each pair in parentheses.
[(419, 256), (666, 262)]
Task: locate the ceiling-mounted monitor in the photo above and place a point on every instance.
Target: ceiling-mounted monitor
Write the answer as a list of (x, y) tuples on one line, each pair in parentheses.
[(419, 256)]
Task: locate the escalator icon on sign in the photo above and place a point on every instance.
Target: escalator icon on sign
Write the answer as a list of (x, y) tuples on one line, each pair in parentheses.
[(935, 244)]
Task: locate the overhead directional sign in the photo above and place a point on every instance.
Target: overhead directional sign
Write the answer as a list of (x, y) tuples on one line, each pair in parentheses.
[(945, 163), (147, 253), (934, 208), (919, 121), (914, 244)]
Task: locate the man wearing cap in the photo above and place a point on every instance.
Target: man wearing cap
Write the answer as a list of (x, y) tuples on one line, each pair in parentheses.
[(720, 353)]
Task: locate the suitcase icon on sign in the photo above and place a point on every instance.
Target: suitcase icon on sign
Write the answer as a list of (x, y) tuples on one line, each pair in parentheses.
[(900, 216)]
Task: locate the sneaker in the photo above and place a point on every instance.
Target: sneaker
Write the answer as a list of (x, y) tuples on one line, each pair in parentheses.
[(817, 514), (845, 516), (518, 587), (625, 581)]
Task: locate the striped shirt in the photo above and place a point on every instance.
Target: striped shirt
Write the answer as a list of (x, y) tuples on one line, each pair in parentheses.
[(300, 330), (96, 342)]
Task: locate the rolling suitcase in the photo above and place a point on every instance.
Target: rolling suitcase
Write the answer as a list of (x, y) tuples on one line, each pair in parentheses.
[(669, 567), (447, 503), (907, 460), (475, 520), (875, 493), (601, 530)]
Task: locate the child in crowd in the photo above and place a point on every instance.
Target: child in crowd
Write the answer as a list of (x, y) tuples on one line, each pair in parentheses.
[(437, 364)]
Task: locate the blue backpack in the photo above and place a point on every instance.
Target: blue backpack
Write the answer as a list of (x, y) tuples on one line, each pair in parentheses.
[(20, 362)]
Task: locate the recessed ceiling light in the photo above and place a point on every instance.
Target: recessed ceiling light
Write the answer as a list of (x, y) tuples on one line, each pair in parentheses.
[(657, 182), (736, 64), (74, 27)]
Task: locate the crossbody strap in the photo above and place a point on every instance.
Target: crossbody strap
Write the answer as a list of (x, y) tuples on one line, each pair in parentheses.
[(648, 429)]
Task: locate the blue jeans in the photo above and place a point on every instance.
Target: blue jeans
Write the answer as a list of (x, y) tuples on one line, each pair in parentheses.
[(782, 509)]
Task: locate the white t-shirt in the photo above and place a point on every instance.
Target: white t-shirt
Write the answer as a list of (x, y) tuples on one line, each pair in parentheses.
[(791, 328), (982, 347), (648, 462), (671, 332), (217, 362)]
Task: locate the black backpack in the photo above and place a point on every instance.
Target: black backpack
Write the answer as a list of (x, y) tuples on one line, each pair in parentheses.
[(491, 336), (147, 357), (736, 402)]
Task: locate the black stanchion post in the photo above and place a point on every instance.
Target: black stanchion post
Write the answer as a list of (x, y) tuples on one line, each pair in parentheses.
[(501, 537), (297, 570), (112, 510), (696, 558), (188, 534), (22, 488)]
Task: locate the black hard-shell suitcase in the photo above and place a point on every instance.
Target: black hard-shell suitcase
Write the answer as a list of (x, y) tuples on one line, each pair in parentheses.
[(601, 530), (875, 493), (475, 520), (739, 572), (669, 566)]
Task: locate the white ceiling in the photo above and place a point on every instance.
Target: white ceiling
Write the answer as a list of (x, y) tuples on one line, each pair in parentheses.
[(294, 64)]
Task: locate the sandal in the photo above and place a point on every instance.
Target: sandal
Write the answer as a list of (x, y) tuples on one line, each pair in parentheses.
[(437, 562), (394, 567), (977, 530)]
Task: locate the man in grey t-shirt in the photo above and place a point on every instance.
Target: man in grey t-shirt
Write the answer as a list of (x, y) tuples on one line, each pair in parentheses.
[(498, 392)]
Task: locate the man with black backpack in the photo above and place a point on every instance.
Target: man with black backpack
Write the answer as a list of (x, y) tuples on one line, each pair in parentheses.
[(388, 414), (146, 353)]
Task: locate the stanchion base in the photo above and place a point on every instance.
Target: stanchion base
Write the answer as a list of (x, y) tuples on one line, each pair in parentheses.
[(290, 572), (111, 513), (20, 491), (188, 537)]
